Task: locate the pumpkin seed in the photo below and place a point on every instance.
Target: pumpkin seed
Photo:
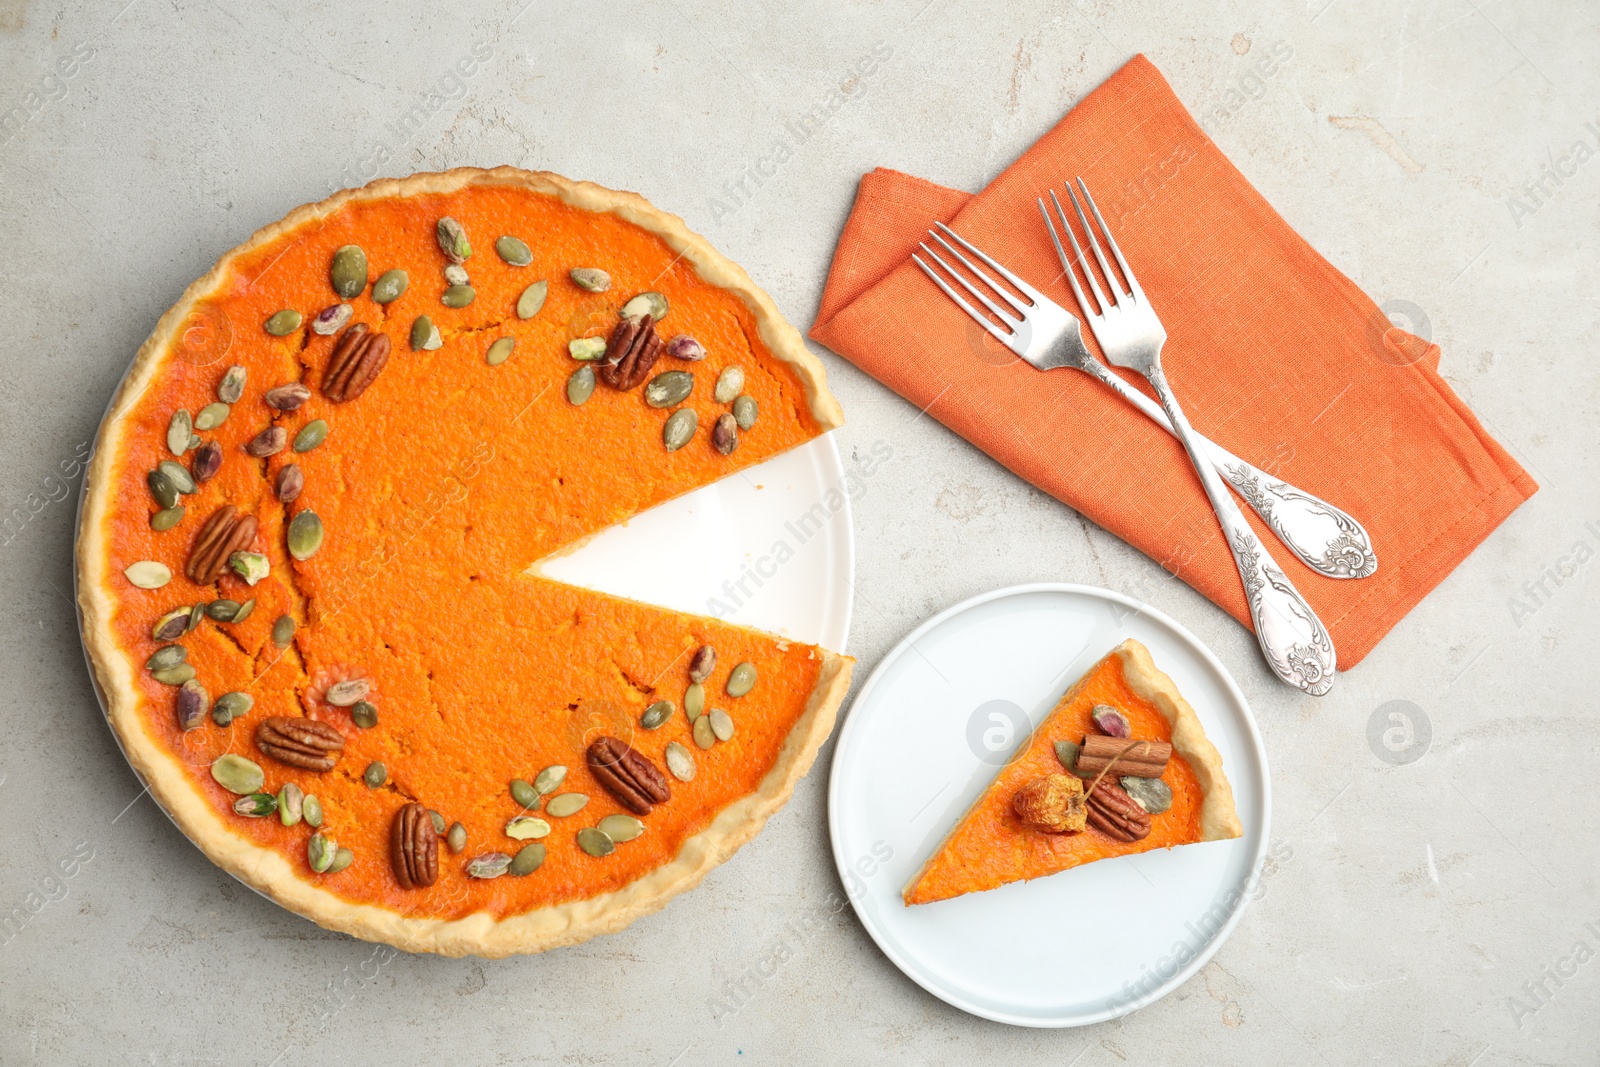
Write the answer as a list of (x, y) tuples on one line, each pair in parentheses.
[(192, 704), (679, 761), (256, 805), (364, 714), (305, 535), (730, 383), (196, 615), (231, 387), (313, 810), (532, 299), (283, 323), (148, 574), (238, 775), (223, 610), (283, 631), (580, 386), (375, 774), (212, 415), (291, 801), (742, 679), (550, 779), (679, 429), (686, 348), (745, 411), (348, 271), (341, 859), (345, 693), (456, 839), (489, 865), (1151, 794), (161, 489), (425, 335), (500, 351), (244, 611), (178, 475), (526, 861), (251, 566), (453, 240), (171, 626), (694, 700), (524, 794), (194, 441), (704, 736), (179, 429), (320, 852), (596, 843), (438, 821), (721, 724), (230, 706), (587, 349), (593, 279), (656, 715), (166, 656), (166, 519), (563, 805), (330, 320), (311, 435), (725, 434), (514, 251), (458, 296), (455, 274), (527, 828), (651, 303), (668, 388), (389, 287), (175, 675), (621, 828), (1067, 755)]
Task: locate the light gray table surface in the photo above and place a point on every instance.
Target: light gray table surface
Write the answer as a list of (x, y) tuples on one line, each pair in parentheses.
[(1438, 911)]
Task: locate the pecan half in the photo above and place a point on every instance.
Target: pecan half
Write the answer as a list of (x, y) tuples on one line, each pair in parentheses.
[(227, 531), (357, 357), (632, 350), (628, 775), (1114, 813), (414, 847), (304, 743)]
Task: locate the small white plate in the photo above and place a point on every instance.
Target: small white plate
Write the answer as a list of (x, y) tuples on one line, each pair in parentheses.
[(928, 732)]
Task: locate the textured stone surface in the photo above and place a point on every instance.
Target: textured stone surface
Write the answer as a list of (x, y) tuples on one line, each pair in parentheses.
[(1411, 902)]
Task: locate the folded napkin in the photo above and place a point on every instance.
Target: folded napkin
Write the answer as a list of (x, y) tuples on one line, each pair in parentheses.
[(1273, 353)]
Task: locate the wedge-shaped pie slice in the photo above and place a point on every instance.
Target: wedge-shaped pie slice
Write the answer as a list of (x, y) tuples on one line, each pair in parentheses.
[(308, 546), (992, 845)]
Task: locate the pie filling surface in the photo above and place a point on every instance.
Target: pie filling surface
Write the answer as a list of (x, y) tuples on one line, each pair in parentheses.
[(438, 489)]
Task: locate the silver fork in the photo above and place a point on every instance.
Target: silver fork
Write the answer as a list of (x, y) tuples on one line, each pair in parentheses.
[(1048, 336), (1296, 644)]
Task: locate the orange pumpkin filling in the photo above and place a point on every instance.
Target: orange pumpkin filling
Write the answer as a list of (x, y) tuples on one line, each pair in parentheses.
[(438, 488)]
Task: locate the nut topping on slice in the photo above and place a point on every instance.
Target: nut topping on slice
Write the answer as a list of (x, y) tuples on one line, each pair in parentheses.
[(414, 847), (633, 350), (357, 357), (1114, 813), (227, 531), (1053, 803), (305, 743), (630, 777)]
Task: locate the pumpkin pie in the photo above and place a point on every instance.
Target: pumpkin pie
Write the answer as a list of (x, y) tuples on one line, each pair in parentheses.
[(1120, 766), (308, 562)]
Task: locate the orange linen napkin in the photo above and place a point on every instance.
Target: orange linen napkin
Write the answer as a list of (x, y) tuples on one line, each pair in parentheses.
[(1273, 353)]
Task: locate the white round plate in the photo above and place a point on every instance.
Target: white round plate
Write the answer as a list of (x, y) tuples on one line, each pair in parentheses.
[(929, 731)]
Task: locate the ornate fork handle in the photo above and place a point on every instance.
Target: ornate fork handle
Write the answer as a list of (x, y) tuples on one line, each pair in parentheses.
[(1296, 645), (1326, 539)]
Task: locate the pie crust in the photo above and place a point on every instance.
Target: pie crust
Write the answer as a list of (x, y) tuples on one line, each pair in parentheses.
[(269, 870)]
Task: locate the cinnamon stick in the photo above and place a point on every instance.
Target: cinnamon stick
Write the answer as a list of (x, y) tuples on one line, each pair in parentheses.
[(1144, 759)]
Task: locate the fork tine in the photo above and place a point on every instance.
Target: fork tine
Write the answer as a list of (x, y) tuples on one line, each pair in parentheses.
[(1021, 286), (1008, 317), (977, 316), (1019, 308), (1113, 287), (1077, 254), (1127, 271)]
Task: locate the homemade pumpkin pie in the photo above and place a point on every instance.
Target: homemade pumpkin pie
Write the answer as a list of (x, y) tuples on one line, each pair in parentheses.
[(1120, 766), (307, 562)]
